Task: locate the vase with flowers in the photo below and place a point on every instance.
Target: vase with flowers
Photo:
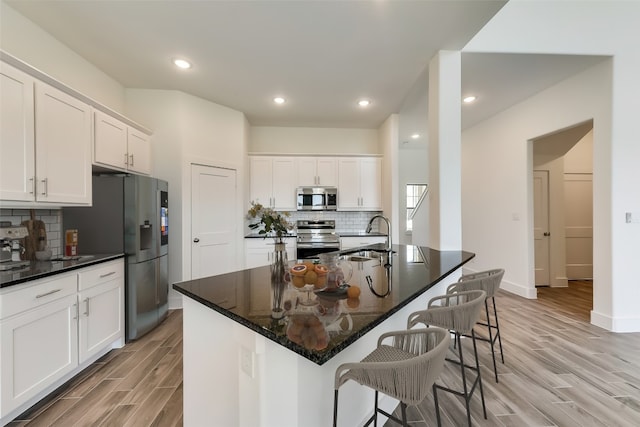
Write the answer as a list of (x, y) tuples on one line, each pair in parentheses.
[(276, 225)]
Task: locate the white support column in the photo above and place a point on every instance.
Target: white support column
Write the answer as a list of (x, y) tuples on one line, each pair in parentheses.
[(444, 121)]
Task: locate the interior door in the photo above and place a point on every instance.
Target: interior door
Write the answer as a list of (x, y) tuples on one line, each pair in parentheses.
[(541, 227), (214, 221)]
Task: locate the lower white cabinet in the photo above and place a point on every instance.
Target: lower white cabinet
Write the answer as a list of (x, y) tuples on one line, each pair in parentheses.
[(100, 308), (257, 250), (52, 328)]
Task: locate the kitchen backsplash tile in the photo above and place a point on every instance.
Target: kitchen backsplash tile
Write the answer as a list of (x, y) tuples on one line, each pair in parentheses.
[(52, 219), (352, 222)]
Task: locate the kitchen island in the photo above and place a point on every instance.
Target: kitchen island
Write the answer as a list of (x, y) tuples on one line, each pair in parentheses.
[(242, 369)]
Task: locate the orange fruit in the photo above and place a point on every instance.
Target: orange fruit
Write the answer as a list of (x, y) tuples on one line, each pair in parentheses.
[(353, 302), (353, 291), (298, 281), (321, 269), (309, 264), (310, 277), (322, 281), (299, 270)]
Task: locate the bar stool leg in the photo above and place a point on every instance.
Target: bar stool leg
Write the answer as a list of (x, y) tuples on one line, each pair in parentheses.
[(375, 411), (465, 391), (495, 314), (335, 408), (435, 401), (491, 338), (403, 409), (475, 351)]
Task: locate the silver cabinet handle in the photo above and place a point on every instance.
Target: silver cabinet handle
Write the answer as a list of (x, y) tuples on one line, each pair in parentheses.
[(44, 186), (196, 240), (75, 311), (111, 273), (86, 301), (32, 185), (131, 157), (48, 293), (126, 159), (546, 234)]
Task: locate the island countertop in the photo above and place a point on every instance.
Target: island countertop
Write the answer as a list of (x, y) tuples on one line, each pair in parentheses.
[(245, 297)]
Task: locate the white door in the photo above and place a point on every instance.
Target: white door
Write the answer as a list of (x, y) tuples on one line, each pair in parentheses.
[(214, 221), (541, 227)]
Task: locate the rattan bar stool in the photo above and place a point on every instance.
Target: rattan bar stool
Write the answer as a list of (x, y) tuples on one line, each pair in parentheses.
[(488, 281), (404, 369), (457, 313)]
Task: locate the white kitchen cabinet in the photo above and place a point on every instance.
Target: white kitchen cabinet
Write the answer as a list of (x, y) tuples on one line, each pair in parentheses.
[(45, 140), (358, 241), (321, 171), (39, 344), (63, 147), (52, 328), (119, 146), (101, 310), (257, 250), (360, 184), (273, 182), (17, 143)]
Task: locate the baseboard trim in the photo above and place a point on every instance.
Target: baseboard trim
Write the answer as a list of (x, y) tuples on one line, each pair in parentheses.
[(175, 302), (615, 324)]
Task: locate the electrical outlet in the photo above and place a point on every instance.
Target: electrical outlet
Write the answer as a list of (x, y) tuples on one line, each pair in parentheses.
[(247, 361)]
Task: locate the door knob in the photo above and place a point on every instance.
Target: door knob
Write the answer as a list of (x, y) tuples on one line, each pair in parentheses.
[(196, 240), (546, 234)]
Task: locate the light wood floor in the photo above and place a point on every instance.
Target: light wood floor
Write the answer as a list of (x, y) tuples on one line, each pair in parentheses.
[(559, 371)]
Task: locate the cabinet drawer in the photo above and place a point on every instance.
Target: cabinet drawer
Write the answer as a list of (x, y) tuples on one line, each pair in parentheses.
[(93, 276), (36, 293)]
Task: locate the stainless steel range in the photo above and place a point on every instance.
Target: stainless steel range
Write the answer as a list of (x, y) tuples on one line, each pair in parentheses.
[(316, 237), (11, 247)]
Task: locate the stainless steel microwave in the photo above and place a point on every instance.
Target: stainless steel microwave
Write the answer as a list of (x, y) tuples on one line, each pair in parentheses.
[(317, 198)]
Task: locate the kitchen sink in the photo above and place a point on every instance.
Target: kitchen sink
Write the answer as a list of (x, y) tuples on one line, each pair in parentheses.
[(366, 255)]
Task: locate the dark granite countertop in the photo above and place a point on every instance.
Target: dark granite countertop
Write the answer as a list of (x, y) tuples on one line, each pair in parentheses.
[(39, 269), (245, 296)]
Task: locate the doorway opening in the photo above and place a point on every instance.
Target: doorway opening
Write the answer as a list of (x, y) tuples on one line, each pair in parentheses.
[(563, 213)]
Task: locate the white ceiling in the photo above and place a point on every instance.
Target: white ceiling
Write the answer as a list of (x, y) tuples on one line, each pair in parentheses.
[(322, 56)]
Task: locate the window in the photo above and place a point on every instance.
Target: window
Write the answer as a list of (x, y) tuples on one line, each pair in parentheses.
[(415, 195)]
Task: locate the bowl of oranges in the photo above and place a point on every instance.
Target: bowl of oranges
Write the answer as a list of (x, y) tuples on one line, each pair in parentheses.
[(307, 274)]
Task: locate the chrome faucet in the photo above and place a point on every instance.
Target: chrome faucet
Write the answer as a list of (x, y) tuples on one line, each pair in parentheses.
[(385, 219)]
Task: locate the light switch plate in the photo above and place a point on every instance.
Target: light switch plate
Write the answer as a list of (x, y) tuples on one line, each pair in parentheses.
[(632, 217), (247, 361)]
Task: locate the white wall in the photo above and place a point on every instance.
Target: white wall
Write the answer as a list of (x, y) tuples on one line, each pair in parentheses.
[(578, 27), (26, 41), (190, 130), (303, 140)]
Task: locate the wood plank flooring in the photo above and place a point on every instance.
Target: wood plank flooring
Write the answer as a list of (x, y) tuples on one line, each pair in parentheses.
[(559, 371)]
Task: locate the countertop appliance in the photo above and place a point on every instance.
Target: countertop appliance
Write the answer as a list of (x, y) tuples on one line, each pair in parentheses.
[(317, 198), (11, 246), (316, 237), (130, 215)]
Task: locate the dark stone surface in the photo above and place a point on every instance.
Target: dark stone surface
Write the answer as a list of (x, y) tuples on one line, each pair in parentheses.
[(245, 296)]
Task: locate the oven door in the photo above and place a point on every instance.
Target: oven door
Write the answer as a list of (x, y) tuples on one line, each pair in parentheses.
[(312, 251)]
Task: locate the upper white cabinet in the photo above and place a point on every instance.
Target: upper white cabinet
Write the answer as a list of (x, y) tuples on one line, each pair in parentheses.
[(360, 183), (273, 181), (119, 146), (17, 143), (45, 142), (317, 171)]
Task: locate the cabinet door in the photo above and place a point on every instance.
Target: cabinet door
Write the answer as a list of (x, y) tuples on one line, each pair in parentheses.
[(307, 172), (37, 348), (139, 152), (17, 167), (348, 184), (101, 317), (284, 183), (63, 147), (371, 184), (110, 141), (326, 171), (260, 180)]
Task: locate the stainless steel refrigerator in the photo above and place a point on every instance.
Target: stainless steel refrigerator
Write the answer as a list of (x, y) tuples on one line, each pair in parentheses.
[(130, 215)]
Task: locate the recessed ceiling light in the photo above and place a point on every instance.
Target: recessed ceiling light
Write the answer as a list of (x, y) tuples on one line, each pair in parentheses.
[(279, 100), (364, 103), (469, 99), (182, 63), (415, 136)]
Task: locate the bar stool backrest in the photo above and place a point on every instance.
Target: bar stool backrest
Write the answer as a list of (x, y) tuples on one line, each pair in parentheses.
[(488, 281), (456, 312)]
